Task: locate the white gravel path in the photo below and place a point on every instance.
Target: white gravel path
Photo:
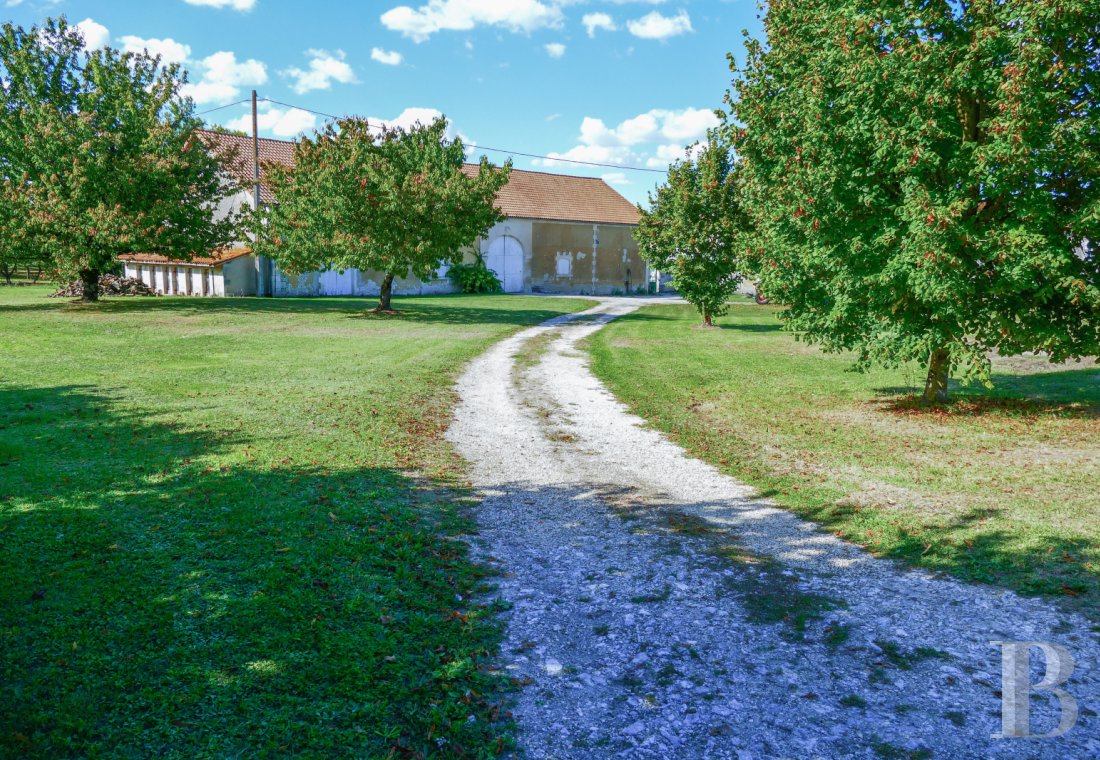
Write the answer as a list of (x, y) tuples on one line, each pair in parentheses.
[(641, 637)]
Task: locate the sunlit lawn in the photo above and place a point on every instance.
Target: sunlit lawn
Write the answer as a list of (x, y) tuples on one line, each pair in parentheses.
[(1001, 487), (228, 527)]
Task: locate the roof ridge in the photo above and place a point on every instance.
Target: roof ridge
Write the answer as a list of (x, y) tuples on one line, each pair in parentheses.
[(245, 137), (547, 195)]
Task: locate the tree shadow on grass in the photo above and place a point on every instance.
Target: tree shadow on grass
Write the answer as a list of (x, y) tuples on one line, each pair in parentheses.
[(1069, 393), (1048, 564), (750, 327), (156, 603), (445, 309), (721, 323)]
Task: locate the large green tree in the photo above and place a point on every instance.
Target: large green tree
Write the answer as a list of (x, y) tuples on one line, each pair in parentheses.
[(924, 177), (368, 197), (17, 248), (100, 147), (694, 229)]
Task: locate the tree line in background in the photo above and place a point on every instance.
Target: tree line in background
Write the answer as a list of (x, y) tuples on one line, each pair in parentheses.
[(914, 181), (101, 155), (98, 157)]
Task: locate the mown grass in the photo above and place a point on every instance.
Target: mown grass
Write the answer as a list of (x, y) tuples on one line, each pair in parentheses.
[(999, 487), (231, 528)]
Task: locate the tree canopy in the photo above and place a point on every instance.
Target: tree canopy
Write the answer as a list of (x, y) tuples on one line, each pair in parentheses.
[(99, 149), (923, 177), (694, 229), (367, 197), (17, 248)]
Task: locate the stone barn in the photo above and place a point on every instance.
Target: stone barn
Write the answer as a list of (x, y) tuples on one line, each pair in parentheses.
[(562, 234)]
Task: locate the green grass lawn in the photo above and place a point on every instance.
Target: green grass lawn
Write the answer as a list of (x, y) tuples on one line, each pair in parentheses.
[(229, 527), (1000, 487)]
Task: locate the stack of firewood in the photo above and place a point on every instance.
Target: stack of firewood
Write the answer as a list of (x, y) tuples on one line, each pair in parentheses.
[(109, 285)]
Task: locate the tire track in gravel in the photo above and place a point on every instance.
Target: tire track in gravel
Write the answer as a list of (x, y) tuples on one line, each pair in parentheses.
[(660, 610)]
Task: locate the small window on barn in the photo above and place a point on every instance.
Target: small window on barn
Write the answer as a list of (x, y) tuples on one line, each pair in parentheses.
[(565, 265)]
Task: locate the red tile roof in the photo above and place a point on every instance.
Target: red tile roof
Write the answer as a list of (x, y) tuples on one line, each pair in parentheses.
[(237, 151), (528, 194), (216, 258), (560, 197)]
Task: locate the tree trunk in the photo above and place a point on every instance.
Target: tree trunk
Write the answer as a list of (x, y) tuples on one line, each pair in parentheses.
[(939, 372), (89, 278), (708, 320), (386, 293)]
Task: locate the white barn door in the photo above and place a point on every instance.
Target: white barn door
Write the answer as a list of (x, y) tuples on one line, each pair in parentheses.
[(334, 283), (505, 257)]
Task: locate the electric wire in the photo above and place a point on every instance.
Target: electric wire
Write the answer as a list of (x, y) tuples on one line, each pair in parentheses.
[(478, 146)]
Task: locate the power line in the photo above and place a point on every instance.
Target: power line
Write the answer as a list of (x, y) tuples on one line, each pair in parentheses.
[(218, 108), (570, 160), (300, 108), (474, 145)]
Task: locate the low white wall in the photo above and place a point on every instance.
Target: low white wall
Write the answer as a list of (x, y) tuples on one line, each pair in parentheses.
[(178, 279), (353, 282)]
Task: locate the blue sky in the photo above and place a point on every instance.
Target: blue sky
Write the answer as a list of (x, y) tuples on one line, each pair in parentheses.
[(623, 82)]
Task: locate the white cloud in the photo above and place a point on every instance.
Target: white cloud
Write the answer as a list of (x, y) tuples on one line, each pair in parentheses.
[(388, 57), (654, 26), (656, 125), (290, 122), (168, 49), (666, 154), (598, 154), (555, 49), (628, 143), (594, 21), (237, 5), (95, 34), (459, 15), (553, 117), (410, 117), (221, 77), (414, 115), (324, 69), (615, 178)]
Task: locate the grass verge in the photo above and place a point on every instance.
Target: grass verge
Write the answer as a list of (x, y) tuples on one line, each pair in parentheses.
[(999, 487), (231, 527)]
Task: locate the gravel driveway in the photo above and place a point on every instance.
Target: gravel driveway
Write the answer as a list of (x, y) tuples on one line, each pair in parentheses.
[(659, 609)]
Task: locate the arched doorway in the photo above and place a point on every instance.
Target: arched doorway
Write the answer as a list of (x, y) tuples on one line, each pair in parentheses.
[(505, 257)]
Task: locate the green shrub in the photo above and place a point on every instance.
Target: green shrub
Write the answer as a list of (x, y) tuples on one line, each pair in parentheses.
[(475, 278)]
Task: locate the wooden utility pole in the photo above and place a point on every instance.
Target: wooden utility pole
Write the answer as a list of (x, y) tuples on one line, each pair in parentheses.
[(262, 267), (255, 154)]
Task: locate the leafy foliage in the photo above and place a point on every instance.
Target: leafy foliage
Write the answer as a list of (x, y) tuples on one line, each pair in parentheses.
[(17, 250), (923, 177), (475, 277), (387, 199), (693, 229), (99, 151)]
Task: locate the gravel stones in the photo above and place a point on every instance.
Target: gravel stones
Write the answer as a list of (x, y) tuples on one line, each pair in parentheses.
[(661, 610)]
